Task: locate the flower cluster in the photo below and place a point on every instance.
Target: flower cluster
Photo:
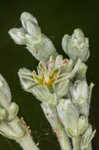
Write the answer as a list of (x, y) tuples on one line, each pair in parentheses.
[(60, 84), (10, 125), (52, 81)]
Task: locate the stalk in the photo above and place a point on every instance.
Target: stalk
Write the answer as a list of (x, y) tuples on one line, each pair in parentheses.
[(76, 143), (51, 115), (27, 143)]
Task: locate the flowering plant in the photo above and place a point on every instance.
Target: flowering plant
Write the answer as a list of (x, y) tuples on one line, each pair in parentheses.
[(59, 84)]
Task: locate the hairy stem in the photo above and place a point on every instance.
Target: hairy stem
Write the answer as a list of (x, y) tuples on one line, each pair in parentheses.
[(89, 147), (76, 143), (51, 114), (27, 143)]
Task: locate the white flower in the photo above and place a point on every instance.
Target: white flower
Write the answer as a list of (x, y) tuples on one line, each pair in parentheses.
[(39, 45), (74, 124), (52, 79), (76, 46)]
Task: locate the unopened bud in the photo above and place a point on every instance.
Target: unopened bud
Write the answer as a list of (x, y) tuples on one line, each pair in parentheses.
[(76, 46), (69, 116), (5, 94), (18, 35), (79, 92)]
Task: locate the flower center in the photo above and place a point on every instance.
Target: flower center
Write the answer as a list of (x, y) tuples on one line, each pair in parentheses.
[(46, 78), (48, 73)]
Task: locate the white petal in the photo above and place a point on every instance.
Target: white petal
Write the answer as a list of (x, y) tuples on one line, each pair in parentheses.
[(84, 88), (59, 60), (18, 35), (5, 94), (32, 40), (13, 110), (62, 88), (32, 28), (65, 43), (25, 16), (25, 76), (80, 90), (44, 47), (43, 94)]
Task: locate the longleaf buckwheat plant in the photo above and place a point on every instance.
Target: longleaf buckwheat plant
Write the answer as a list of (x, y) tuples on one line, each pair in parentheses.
[(59, 84)]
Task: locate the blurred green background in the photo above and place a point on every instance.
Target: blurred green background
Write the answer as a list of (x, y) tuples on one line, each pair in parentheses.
[(56, 18)]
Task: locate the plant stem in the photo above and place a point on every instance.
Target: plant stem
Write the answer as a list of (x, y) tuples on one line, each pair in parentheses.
[(51, 114), (89, 147), (27, 143), (76, 143)]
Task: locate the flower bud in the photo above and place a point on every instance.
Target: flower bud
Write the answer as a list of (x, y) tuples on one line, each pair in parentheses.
[(65, 65), (61, 88), (69, 116), (18, 35), (3, 113), (76, 46), (25, 16), (79, 92), (80, 95), (39, 45), (81, 74), (13, 110), (5, 94), (12, 130), (82, 124), (10, 125)]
